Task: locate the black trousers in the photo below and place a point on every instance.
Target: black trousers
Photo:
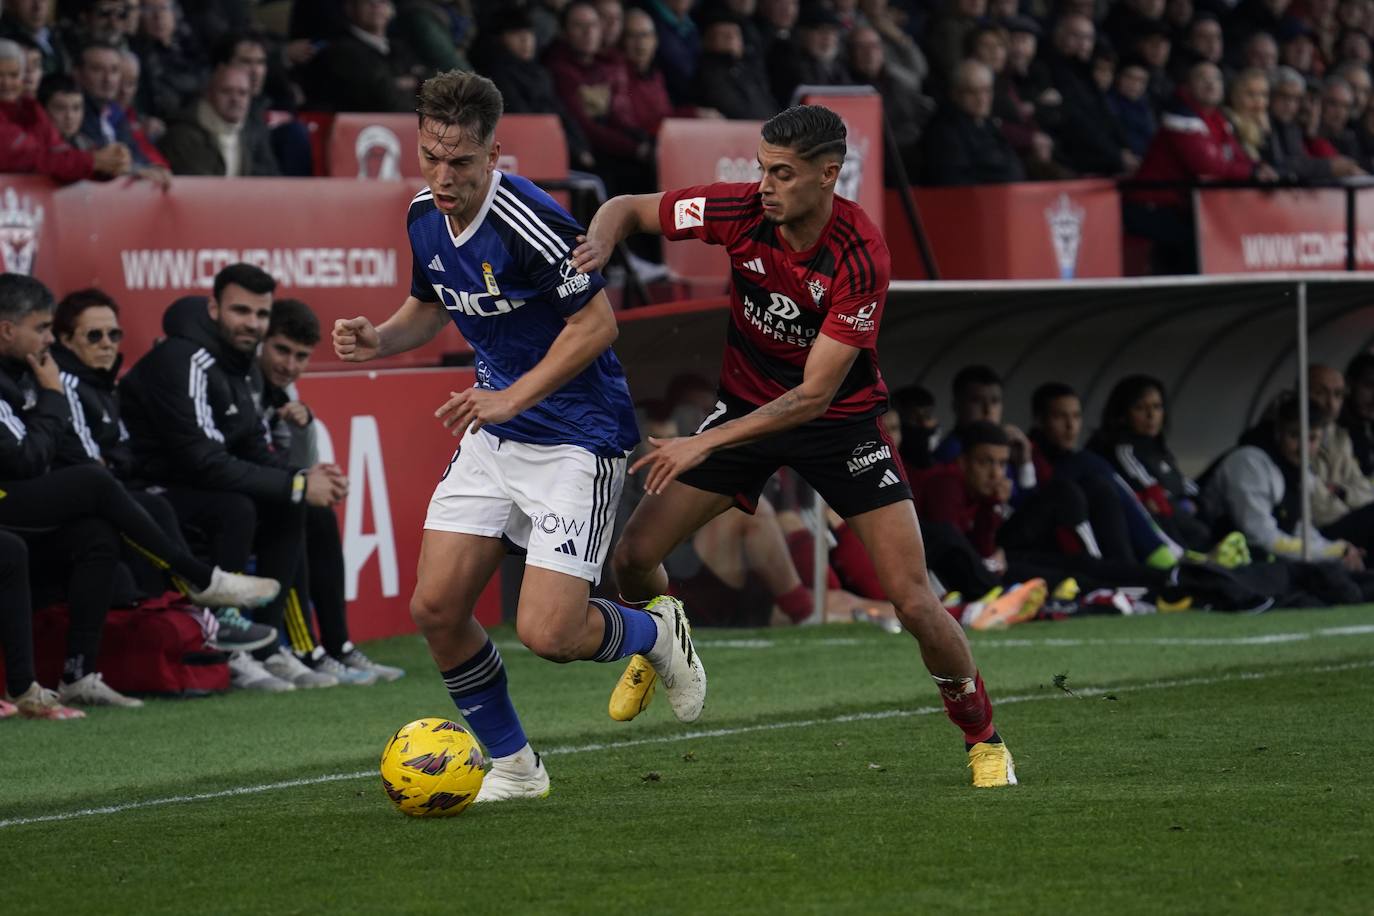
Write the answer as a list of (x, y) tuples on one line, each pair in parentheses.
[(72, 519), (237, 528), (16, 614), (324, 565), (1357, 527)]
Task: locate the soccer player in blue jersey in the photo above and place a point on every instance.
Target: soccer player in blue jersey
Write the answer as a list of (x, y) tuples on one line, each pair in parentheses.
[(545, 431)]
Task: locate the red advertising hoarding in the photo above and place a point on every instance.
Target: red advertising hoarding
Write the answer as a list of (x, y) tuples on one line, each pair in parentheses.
[(380, 428), (1055, 230), (384, 146), (1285, 229)]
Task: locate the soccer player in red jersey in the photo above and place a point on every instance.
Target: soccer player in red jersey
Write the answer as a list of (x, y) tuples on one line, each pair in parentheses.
[(799, 387)]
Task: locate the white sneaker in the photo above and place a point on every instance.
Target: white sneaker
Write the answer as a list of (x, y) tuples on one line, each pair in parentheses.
[(353, 657), (519, 775), (324, 663), (227, 589), (247, 673), (285, 665), (675, 659), (92, 690)]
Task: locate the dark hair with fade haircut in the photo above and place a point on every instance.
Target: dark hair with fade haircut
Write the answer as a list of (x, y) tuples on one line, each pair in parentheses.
[(73, 304), (1047, 394), (468, 100), (254, 279), (55, 83), (811, 130), (294, 320), (982, 432), (21, 296), (227, 45), (96, 44), (969, 376)]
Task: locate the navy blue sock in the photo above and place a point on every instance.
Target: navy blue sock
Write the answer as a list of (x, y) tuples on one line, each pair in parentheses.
[(478, 688), (628, 631)]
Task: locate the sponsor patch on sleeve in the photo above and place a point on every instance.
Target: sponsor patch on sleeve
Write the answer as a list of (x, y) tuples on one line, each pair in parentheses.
[(689, 212)]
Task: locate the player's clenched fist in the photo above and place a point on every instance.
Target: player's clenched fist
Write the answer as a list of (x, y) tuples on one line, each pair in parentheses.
[(356, 340)]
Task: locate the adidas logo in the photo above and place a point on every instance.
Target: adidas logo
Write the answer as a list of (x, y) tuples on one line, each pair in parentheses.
[(889, 478), (233, 411), (436, 265), (756, 265), (567, 547)]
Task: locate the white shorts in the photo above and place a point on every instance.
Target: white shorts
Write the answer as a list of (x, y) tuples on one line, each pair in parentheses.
[(557, 502)]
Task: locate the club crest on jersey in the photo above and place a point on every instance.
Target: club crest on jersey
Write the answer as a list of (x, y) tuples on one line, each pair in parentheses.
[(573, 282), (817, 289), (490, 279)]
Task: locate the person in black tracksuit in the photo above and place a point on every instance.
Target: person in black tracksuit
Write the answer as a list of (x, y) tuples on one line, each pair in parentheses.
[(86, 325), (1131, 437), (195, 430), (73, 517)]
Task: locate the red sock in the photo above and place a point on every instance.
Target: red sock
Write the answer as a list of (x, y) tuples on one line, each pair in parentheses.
[(968, 706), (796, 604)]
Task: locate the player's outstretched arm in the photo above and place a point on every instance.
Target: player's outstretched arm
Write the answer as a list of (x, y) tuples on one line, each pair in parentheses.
[(415, 323), (826, 367), (586, 334), (618, 219)]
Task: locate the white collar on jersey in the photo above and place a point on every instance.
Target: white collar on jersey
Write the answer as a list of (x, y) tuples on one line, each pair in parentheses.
[(481, 216)]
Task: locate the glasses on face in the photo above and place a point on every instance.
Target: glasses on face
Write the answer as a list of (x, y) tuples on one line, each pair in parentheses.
[(96, 335)]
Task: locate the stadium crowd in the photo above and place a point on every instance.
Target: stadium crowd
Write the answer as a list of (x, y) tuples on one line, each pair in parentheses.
[(977, 91)]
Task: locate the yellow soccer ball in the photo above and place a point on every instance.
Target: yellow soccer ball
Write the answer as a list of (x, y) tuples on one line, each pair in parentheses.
[(432, 768)]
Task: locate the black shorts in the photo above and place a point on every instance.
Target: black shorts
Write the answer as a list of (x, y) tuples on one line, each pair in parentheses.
[(851, 464)]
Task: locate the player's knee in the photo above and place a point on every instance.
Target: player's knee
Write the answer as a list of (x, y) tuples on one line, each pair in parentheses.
[(549, 640), (430, 614), (916, 605)]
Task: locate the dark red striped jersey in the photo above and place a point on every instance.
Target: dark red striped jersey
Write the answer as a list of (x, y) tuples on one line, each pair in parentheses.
[(781, 299)]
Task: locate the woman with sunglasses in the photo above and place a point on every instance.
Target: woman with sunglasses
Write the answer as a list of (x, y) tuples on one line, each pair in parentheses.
[(86, 343)]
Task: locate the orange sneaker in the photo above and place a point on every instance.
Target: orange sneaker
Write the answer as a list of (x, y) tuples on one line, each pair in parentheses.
[(1016, 606)]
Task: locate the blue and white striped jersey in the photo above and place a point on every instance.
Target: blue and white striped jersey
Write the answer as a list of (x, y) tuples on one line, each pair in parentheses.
[(507, 284)]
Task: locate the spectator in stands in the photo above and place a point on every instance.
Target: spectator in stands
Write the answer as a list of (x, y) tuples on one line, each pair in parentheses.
[(1344, 486), (1248, 112), (816, 60), (208, 437), (1286, 150), (1357, 412), (437, 31), (1298, 48), (86, 350), (1130, 103), (1354, 47), (61, 98), (140, 128), (73, 517), (679, 46), (593, 89), (210, 20), (1089, 139), (99, 72), (1356, 75), (612, 13), (963, 144), (1104, 67), (217, 136), (645, 88), (1204, 44), (173, 76), (1132, 438), (24, 696), (291, 337), (29, 142), (907, 110), (1038, 103), (1338, 101), (547, 18), (526, 86), (989, 44), (99, 22), (1126, 18), (1154, 46), (729, 80), (31, 21), (946, 37), (900, 50), (361, 68), (1195, 143), (1261, 53), (33, 70), (1255, 17), (1258, 490), (290, 140)]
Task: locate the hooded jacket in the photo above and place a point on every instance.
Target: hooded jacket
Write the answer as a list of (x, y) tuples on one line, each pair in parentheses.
[(94, 404), (192, 414), (33, 423)]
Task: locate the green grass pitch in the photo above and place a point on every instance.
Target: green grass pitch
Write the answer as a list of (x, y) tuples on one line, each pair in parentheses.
[(1200, 764)]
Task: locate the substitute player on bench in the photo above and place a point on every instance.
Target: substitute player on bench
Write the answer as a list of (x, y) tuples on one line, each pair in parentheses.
[(544, 432), (799, 387)]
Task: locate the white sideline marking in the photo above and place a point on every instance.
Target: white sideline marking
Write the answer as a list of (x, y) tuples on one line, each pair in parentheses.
[(1082, 692)]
